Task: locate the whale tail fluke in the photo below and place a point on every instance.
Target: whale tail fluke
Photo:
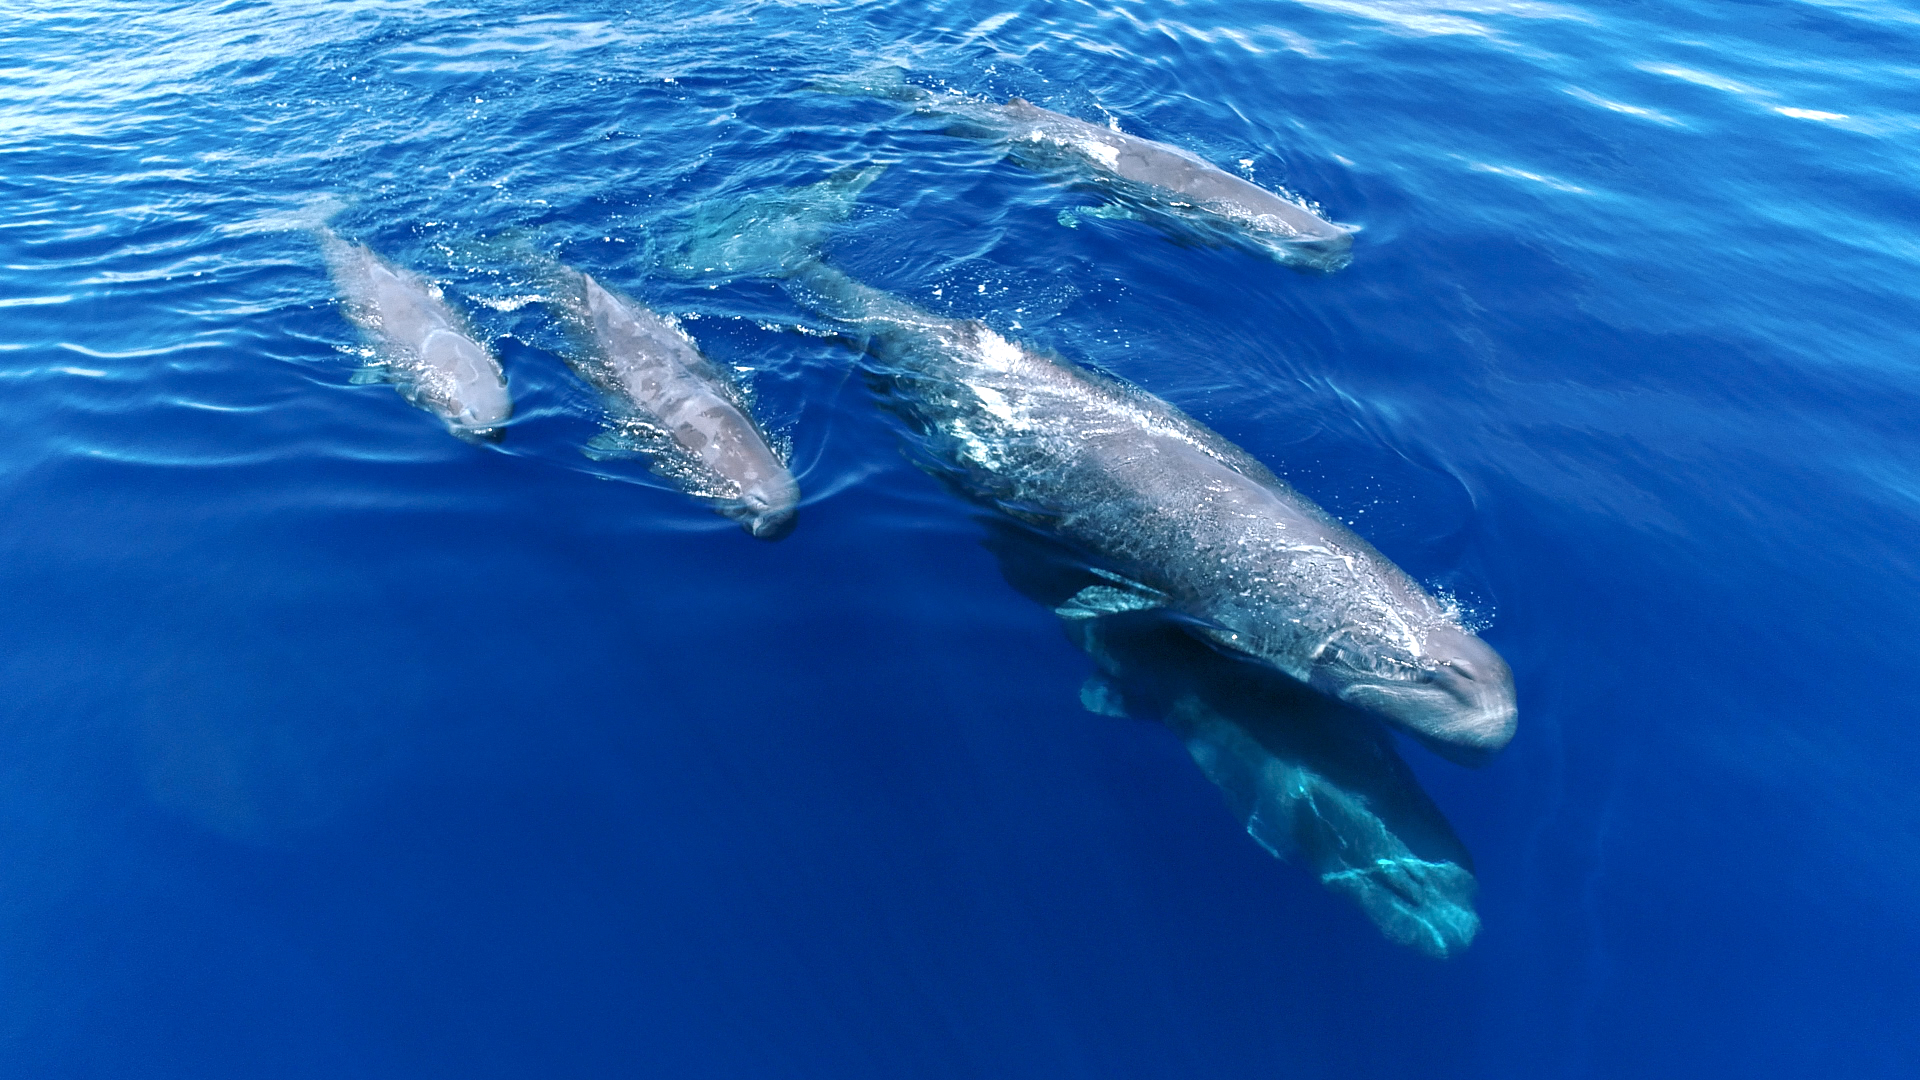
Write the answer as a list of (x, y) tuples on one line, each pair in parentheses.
[(772, 234), (526, 263), (309, 214), (887, 82)]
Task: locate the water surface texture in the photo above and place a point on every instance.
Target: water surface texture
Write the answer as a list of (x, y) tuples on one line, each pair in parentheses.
[(333, 745)]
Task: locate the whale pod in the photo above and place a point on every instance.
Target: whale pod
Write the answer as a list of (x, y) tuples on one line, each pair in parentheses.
[(677, 405), (1169, 515), (1147, 178), (423, 346)]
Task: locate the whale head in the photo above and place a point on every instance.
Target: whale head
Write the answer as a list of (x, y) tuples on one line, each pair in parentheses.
[(767, 510), (464, 385), (1322, 251), (1454, 692)]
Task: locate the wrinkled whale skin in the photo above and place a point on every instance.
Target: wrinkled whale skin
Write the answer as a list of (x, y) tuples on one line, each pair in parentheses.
[(653, 369), (424, 346), (1179, 518)]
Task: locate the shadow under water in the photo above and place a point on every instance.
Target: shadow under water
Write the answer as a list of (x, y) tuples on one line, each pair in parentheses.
[(1312, 779)]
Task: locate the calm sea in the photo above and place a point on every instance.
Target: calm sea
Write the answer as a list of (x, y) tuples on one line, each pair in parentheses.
[(334, 746)]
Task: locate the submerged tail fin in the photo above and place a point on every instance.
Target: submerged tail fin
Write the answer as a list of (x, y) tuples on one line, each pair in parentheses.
[(771, 234), (887, 83)]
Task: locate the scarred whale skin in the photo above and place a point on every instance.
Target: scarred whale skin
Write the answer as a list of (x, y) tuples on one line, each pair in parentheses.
[(424, 346), (652, 368), (1166, 177), (1175, 517)]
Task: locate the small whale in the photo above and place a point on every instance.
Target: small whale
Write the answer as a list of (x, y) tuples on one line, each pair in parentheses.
[(676, 405), (424, 347), (1154, 180), (1169, 514)]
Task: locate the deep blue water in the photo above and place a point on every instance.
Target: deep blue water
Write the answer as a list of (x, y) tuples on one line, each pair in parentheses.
[(334, 746)]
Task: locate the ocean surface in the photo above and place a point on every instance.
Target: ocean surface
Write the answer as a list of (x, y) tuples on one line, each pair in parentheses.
[(334, 746)]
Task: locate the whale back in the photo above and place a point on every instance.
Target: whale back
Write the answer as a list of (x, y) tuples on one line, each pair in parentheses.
[(423, 346)]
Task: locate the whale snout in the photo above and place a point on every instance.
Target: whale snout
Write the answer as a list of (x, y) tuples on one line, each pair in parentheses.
[(1326, 253), (768, 513), (1479, 687), (772, 525), (486, 422), (1461, 702)]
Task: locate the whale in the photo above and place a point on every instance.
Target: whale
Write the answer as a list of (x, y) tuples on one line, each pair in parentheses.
[(1170, 515), (1144, 178), (1313, 782), (674, 404), (423, 347)]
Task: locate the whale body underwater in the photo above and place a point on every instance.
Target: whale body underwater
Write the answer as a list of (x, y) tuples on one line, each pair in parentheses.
[(424, 347), (1172, 516), (1147, 178)]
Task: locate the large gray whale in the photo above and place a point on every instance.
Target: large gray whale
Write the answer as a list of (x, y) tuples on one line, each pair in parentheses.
[(1173, 517), (423, 346), (1157, 180), (681, 407)]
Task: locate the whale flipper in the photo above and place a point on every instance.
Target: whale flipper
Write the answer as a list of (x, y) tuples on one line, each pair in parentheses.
[(1074, 215), (1097, 600), (1100, 697)]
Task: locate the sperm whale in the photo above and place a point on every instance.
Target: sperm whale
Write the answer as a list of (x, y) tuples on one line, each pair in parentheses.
[(423, 346), (1146, 178), (1179, 518), (1172, 516), (672, 396)]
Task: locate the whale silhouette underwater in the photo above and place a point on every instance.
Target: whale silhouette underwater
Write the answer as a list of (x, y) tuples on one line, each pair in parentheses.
[(1210, 595)]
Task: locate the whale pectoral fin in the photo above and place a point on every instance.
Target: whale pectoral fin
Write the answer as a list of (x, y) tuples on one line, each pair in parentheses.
[(1112, 212), (1073, 216), (1097, 600), (370, 376), (628, 438), (607, 446), (1099, 696)]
